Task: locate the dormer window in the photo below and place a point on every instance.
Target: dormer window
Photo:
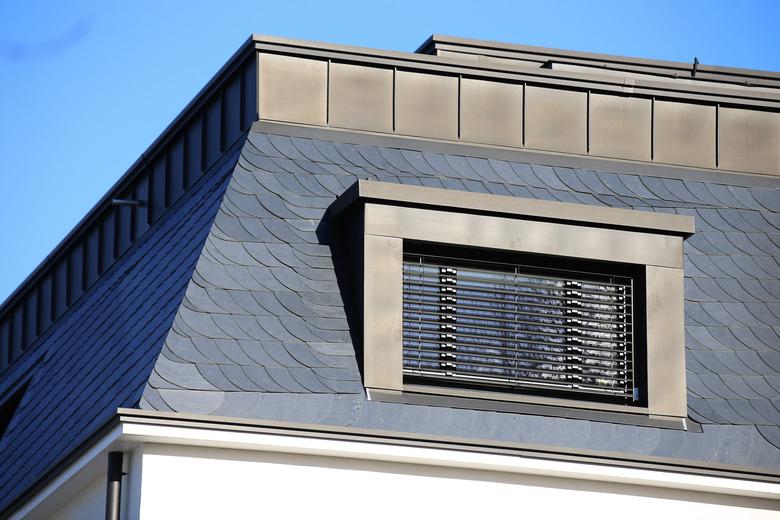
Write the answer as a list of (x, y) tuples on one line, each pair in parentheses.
[(497, 301)]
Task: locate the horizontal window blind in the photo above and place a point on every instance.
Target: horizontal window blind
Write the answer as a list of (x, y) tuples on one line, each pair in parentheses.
[(518, 327)]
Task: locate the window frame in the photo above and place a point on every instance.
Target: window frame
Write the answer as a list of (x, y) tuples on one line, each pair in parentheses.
[(389, 214), (510, 264)]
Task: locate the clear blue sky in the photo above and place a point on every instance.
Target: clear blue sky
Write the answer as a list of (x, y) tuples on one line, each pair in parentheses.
[(86, 86)]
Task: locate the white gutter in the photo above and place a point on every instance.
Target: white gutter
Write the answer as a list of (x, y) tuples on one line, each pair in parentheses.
[(377, 451)]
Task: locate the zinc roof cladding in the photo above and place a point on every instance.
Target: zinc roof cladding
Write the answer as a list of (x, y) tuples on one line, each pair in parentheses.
[(100, 355), (686, 71), (263, 333)]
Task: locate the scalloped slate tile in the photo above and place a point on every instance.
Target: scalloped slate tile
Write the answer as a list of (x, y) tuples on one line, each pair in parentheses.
[(262, 144), (232, 350), (700, 191), (767, 410), (724, 195), (483, 169), (225, 300), (463, 169), (525, 175), (308, 149), (306, 377), (547, 175), (152, 400), (756, 364), (769, 199), (697, 386), (718, 387), (214, 376), (659, 188), (282, 377), (738, 385), (679, 190), (397, 160), (760, 385), (635, 184), (184, 349), (771, 434), (565, 196), (259, 376), (724, 409), (593, 182), (568, 177)]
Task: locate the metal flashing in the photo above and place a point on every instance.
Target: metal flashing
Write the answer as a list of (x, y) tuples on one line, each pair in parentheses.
[(392, 193), (502, 70), (410, 396), (437, 42)]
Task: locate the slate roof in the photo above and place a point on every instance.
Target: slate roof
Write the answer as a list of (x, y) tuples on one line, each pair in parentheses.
[(262, 332), (232, 306), (99, 356)]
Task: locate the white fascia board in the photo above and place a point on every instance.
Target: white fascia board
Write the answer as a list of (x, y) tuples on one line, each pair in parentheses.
[(166, 434)]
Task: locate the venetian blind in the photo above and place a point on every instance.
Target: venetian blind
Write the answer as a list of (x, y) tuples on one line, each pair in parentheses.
[(518, 327)]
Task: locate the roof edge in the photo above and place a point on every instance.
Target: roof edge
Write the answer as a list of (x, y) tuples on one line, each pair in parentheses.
[(129, 415), (368, 190), (430, 46), (133, 416)]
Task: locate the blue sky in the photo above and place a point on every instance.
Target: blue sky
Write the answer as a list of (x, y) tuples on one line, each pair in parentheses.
[(86, 86)]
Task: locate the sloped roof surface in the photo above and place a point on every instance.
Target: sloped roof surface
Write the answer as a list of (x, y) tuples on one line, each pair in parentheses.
[(262, 332), (232, 305), (100, 355)]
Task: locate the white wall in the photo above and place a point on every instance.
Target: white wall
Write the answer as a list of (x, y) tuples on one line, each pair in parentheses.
[(88, 504), (208, 483)]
